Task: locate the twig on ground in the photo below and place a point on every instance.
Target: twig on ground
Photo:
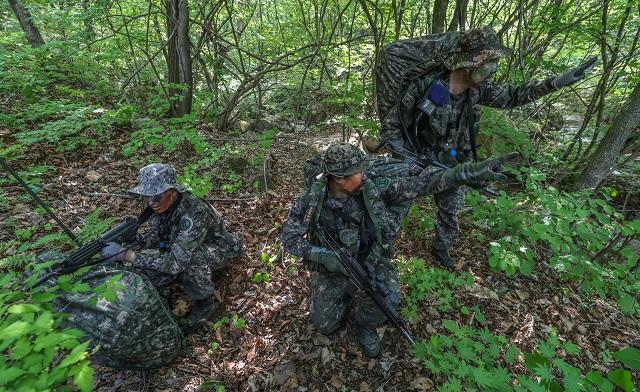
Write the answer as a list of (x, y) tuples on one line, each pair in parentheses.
[(288, 139), (97, 194), (264, 172), (125, 196), (192, 372)]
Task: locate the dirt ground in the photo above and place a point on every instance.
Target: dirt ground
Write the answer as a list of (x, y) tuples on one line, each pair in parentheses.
[(278, 349)]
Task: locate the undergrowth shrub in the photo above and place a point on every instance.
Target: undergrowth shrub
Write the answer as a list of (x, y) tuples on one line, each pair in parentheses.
[(169, 134), (578, 234), (467, 358), (421, 218), (38, 352), (470, 359), (437, 283)]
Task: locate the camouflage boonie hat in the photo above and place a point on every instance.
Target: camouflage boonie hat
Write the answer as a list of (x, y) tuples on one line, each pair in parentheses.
[(155, 179), (344, 159), (475, 47)]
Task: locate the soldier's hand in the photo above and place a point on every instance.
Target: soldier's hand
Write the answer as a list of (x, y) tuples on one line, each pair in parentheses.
[(574, 74), (116, 253), (483, 171), (326, 258)]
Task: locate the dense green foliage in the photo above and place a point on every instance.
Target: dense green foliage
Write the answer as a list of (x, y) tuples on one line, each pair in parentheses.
[(101, 79), (42, 353), (473, 359), (581, 236)]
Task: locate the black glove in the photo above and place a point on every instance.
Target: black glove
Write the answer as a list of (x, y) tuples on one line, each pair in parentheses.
[(574, 74), (487, 170), (326, 258)]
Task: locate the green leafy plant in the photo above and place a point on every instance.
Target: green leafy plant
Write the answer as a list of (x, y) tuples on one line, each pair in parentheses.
[(472, 359), (423, 281), (261, 277), (554, 373), (582, 236), (421, 217), (234, 321), (211, 385), (169, 134), (39, 353), (233, 183), (468, 359)]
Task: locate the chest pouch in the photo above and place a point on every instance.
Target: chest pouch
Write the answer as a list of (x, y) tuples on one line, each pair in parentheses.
[(435, 104), (350, 237), (439, 121)]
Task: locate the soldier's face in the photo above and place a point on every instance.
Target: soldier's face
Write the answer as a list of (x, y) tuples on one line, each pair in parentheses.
[(350, 184), (161, 203), (484, 72)]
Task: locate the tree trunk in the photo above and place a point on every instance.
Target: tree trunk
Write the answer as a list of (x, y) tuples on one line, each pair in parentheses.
[(439, 15), (179, 57), (29, 28), (603, 161), (454, 25), (88, 20)]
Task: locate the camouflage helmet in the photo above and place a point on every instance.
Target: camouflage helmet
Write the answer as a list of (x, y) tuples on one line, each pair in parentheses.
[(156, 179), (344, 159), (476, 47)]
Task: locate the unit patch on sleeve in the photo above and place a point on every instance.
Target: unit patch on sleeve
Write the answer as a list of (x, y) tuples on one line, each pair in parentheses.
[(382, 183), (186, 224)]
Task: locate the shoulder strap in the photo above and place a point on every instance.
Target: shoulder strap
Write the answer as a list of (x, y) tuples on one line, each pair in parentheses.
[(472, 126)]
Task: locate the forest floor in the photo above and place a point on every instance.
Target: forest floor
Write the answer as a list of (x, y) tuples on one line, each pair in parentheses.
[(278, 349)]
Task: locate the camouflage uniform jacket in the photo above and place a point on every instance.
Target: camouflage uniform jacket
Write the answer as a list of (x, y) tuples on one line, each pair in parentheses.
[(448, 126), (343, 218), (188, 227)]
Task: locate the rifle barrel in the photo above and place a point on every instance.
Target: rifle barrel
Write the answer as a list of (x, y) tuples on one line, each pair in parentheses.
[(81, 256)]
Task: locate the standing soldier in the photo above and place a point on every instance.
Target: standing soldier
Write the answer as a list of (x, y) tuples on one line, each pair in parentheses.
[(349, 202), (188, 240), (432, 109)]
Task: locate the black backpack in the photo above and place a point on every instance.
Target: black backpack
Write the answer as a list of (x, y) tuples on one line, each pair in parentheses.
[(406, 61)]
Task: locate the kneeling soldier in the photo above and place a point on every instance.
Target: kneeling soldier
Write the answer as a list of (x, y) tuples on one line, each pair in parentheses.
[(350, 203), (188, 240)]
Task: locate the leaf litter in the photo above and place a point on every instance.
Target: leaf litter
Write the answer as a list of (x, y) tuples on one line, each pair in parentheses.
[(278, 348)]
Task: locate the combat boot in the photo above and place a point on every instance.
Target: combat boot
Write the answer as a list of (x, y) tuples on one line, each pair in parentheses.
[(370, 341), (201, 311), (442, 257)]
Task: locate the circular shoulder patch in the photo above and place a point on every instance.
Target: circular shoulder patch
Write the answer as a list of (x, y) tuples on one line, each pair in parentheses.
[(382, 183), (185, 223)]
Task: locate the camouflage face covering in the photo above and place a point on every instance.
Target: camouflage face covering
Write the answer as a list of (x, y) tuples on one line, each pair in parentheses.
[(156, 179), (476, 47), (344, 159)]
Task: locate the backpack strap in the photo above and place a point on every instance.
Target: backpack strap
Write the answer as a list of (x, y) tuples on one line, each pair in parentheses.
[(472, 126)]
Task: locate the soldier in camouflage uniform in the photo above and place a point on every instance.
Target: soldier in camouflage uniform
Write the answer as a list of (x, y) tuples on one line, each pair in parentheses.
[(436, 114), (188, 240), (350, 202)]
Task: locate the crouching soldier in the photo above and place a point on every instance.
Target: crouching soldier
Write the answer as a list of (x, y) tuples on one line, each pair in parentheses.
[(349, 202), (187, 241)]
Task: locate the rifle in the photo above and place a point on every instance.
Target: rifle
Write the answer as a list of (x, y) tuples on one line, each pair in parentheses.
[(421, 162), (82, 257), (360, 278)]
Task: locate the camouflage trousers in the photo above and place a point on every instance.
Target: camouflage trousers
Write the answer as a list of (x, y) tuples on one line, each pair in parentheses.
[(449, 204), (196, 277), (332, 294)]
